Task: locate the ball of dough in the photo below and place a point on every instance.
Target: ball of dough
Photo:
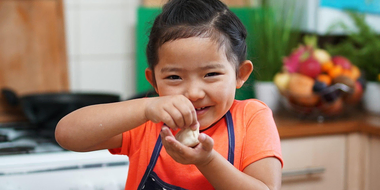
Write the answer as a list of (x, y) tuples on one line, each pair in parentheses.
[(188, 137)]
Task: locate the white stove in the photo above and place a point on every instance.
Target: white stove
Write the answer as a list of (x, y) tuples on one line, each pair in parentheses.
[(31, 162)]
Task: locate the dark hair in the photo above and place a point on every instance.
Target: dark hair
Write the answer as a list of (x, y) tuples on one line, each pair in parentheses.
[(198, 18)]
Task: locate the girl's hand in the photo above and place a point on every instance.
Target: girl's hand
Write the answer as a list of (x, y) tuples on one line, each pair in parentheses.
[(199, 155), (175, 111)]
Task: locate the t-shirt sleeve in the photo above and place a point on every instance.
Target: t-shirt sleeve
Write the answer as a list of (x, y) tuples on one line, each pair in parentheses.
[(133, 139), (262, 138), (125, 147)]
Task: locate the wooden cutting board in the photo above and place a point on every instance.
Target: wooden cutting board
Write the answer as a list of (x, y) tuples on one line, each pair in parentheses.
[(32, 50)]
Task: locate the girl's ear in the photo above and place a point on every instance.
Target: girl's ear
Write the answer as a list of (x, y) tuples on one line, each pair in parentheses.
[(245, 70), (150, 77)]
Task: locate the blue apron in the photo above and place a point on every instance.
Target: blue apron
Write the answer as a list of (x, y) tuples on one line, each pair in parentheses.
[(151, 181)]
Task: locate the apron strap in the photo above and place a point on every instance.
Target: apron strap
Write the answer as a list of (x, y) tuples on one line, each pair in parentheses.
[(231, 138), (152, 162)]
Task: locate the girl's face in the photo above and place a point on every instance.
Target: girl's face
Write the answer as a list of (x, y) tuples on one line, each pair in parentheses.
[(198, 69)]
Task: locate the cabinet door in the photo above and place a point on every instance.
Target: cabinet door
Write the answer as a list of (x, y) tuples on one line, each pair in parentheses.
[(374, 164), (314, 163)]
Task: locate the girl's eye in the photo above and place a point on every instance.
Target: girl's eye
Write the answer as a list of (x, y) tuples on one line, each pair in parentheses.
[(212, 74), (173, 77)]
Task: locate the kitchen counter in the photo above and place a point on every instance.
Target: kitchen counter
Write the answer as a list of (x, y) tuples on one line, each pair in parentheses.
[(291, 126)]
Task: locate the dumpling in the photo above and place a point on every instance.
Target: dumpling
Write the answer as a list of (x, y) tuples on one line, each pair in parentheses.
[(188, 137)]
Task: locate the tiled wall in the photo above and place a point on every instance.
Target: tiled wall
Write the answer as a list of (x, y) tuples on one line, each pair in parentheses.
[(100, 36)]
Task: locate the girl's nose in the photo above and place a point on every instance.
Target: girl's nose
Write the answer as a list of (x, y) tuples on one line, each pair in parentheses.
[(195, 92)]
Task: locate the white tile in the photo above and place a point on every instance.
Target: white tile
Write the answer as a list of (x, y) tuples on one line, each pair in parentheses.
[(72, 30), (73, 72), (130, 76), (107, 75), (107, 31)]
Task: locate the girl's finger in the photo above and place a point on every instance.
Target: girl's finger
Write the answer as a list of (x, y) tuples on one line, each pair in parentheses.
[(176, 116), (165, 131), (195, 127), (166, 118), (167, 136), (206, 141), (188, 113), (169, 141)]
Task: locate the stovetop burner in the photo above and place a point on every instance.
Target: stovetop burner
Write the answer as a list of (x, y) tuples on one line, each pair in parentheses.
[(11, 134), (24, 138)]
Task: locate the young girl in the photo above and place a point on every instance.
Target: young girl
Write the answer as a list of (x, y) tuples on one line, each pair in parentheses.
[(197, 60)]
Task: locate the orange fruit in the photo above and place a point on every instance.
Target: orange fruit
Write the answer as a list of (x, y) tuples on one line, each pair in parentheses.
[(324, 78), (326, 66), (347, 73), (355, 72), (300, 89), (335, 71)]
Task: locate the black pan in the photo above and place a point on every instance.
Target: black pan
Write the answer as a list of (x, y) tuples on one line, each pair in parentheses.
[(45, 110)]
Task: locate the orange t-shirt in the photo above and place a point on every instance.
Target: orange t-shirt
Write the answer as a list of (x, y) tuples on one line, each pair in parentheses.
[(256, 137)]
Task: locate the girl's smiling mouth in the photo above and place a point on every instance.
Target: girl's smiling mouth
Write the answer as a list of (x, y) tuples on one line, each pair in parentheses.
[(201, 110)]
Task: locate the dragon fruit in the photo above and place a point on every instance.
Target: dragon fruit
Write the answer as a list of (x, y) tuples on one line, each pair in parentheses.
[(310, 67), (292, 62)]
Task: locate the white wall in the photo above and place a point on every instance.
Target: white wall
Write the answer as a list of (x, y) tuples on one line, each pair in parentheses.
[(100, 37), (319, 19), (100, 40)]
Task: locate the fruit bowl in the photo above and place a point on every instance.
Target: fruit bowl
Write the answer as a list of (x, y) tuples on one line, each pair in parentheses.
[(335, 100), (314, 83)]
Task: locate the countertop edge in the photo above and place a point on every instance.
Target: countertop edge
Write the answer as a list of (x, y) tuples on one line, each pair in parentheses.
[(292, 127)]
